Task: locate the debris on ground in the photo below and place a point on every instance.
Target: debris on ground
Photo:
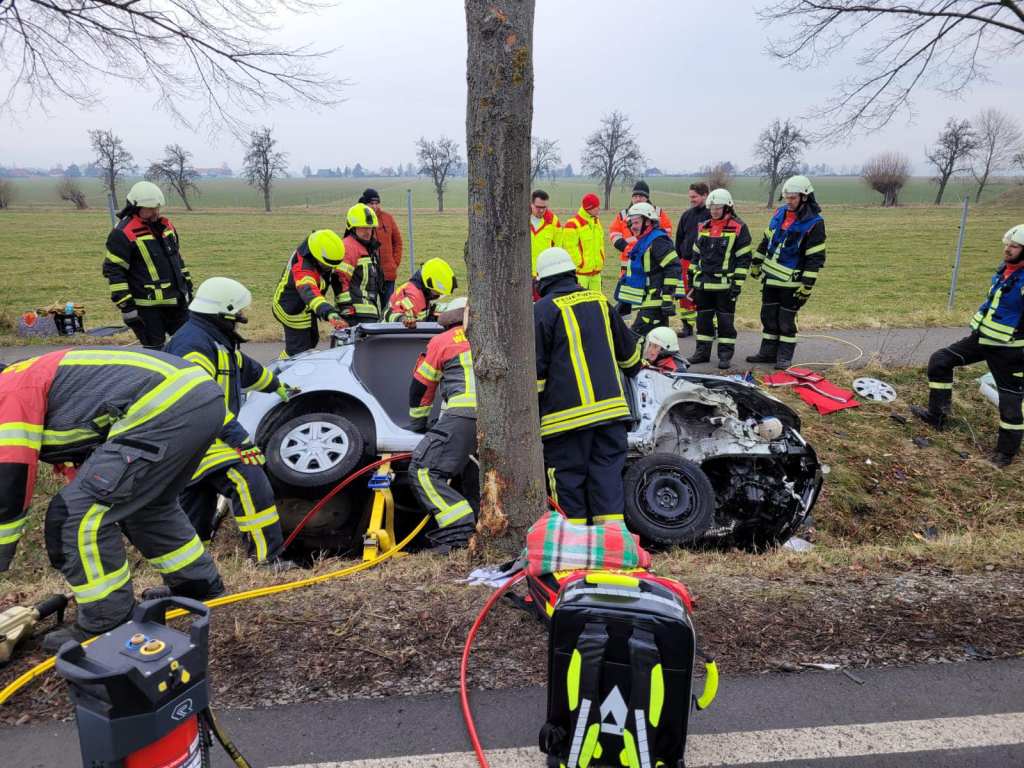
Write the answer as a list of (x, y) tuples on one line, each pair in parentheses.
[(796, 544), (922, 442)]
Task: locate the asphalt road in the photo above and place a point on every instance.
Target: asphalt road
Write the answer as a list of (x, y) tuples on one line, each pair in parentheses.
[(902, 346), (940, 716)]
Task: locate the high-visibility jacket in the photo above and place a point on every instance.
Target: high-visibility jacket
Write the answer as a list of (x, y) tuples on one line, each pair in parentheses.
[(582, 346), (547, 235), (652, 273), (447, 364), (1000, 319), (721, 254), (299, 295), (583, 238), (410, 300), (361, 280), (201, 342), (144, 266), (792, 250), (623, 238), (58, 407)]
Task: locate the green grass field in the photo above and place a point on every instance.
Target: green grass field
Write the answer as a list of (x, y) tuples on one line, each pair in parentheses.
[(885, 266)]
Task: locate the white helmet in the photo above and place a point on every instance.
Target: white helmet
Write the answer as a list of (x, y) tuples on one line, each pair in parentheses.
[(1014, 235), (719, 197), (797, 185), (145, 194), (221, 296), (554, 261), (664, 337), (642, 209)]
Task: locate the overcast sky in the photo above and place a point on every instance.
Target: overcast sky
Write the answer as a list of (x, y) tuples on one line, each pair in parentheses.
[(693, 76)]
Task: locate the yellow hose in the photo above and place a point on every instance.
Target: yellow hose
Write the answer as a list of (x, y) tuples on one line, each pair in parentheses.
[(46, 666)]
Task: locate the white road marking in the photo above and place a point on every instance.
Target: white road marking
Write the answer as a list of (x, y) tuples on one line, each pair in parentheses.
[(765, 747)]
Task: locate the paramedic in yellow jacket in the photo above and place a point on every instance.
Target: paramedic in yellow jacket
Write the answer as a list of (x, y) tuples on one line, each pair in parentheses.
[(583, 238)]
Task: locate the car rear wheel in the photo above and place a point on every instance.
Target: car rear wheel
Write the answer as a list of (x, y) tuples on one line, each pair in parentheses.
[(669, 500), (314, 450)]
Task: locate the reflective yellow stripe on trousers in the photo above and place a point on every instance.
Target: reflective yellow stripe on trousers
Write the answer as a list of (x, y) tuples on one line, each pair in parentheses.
[(447, 513), (180, 558), (98, 584)]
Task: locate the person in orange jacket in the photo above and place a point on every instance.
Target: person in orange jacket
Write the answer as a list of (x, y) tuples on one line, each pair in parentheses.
[(619, 233), (390, 239)]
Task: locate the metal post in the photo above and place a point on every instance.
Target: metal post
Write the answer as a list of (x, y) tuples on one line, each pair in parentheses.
[(112, 208), (412, 252), (959, 251)]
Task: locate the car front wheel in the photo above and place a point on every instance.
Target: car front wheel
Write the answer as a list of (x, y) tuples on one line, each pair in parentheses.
[(669, 500), (314, 450)]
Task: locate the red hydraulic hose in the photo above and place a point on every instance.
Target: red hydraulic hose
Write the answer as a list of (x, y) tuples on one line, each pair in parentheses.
[(339, 487)]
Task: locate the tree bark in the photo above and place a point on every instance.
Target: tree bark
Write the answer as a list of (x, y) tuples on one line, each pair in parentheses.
[(499, 115), (608, 194), (981, 186), (266, 198), (440, 200), (942, 189)]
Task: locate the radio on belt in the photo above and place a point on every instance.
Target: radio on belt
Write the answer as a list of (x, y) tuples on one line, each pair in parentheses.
[(139, 690)]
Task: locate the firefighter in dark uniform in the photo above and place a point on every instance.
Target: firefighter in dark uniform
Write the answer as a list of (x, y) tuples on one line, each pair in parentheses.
[(444, 452), (652, 273), (582, 346), (997, 337), (362, 279), (149, 282), (299, 298), (718, 266), (415, 301), (137, 423), (788, 260), (233, 465), (686, 236)]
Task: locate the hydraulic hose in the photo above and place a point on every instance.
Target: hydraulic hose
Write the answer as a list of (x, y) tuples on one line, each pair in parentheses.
[(467, 714)]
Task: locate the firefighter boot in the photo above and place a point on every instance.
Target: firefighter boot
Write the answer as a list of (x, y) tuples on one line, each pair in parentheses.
[(685, 330), (725, 352), (936, 420), (784, 357), (701, 354), (54, 639), (451, 537), (767, 354)]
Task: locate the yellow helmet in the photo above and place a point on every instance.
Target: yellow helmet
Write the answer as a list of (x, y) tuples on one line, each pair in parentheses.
[(438, 276), (326, 246), (361, 215)]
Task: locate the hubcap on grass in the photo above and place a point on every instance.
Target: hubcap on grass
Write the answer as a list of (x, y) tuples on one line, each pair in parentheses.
[(314, 447)]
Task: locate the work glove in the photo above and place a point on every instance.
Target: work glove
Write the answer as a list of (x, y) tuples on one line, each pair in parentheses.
[(251, 454), (734, 291), (409, 321), (755, 271), (336, 321), (286, 393), (802, 294)]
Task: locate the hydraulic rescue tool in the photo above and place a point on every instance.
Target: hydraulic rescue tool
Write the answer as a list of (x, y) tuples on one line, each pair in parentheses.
[(18, 621)]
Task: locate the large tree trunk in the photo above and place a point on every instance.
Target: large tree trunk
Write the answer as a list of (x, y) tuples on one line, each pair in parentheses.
[(266, 198), (942, 188), (499, 114), (440, 200)]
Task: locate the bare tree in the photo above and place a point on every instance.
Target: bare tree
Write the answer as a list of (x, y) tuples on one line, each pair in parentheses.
[(902, 46), (438, 159), (176, 171), (952, 152), (217, 54), (499, 113), (545, 158), (999, 136), (69, 191), (262, 165), (718, 176), (777, 154), (612, 154), (887, 173), (111, 158), (6, 193)]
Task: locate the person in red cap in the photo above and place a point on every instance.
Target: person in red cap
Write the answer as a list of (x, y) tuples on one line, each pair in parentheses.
[(583, 238)]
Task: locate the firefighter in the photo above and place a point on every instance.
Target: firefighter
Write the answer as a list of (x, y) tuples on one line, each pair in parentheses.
[(788, 260), (362, 281), (416, 300), (619, 232), (444, 451), (233, 465), (582, 345), (137, 423), (686, 236), (299, 298), (661, 351), (149, 282), (652, 273), (719, 265), (545, 229), (583, 238), (997, 337)]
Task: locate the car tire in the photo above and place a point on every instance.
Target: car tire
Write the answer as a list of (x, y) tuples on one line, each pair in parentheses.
[(669, 500), (314, 450)]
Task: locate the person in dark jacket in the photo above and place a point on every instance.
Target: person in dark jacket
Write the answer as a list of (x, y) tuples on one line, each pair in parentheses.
[(149, 282), (652, 274), (686, 236), (788, 260), (390, 238), (233, 464), (582, 346)]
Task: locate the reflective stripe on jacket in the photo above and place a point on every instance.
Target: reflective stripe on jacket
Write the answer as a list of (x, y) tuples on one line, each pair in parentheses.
[(143, 265), (652, 273), (583, 238), (447, 364), (793, 254), (360, 280), (620, 226), (410, 300), (300, 291), (1000, 318), (721, 254), (547, 235)]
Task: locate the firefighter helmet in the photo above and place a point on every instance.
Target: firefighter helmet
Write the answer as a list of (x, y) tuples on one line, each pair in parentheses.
[(797, 185), (719, 197), (554, 261), (642, 209), (327, 247), (145, 194), (1014, 235), (664, 337), (438, 276), (361, 215), (221, 296)]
